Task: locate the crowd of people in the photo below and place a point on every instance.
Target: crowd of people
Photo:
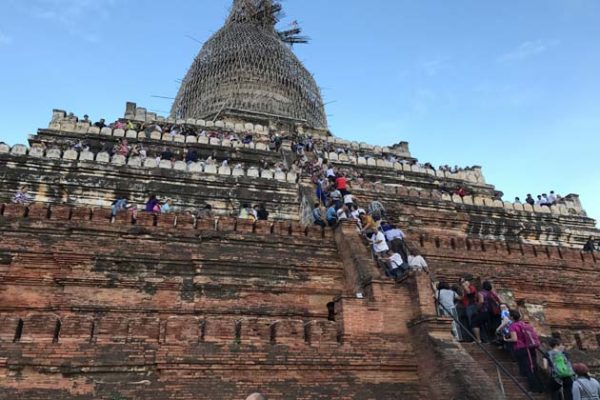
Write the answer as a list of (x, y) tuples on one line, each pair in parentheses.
[(481, 315), (547, 200)]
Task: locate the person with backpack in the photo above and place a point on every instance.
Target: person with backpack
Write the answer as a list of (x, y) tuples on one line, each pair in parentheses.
[(487, 310), (585, 387), (525, 343), (559, 366)]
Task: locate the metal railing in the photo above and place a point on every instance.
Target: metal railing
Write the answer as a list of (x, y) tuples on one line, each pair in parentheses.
[(499, 366)]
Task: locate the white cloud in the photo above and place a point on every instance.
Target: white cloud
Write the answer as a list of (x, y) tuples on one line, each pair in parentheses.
[(5, 39), (528, 49)]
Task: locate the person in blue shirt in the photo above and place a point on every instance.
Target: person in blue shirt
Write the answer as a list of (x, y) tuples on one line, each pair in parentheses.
[(318, 216), (331, 216)]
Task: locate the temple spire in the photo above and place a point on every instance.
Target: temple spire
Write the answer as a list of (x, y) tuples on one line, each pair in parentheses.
[(258, 12)]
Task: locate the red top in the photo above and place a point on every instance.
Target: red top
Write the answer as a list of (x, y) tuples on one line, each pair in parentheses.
[(340, 183), (469, 297)]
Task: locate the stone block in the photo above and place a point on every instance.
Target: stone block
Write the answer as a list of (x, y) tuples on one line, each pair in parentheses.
[(179, 139), (343, 158), (190, 121), (498, 204), (210, 124), (53, 153), (149, 163), (191, 139), (18, 150), (70, 155), (226, 143), (134, 162), (518, 207), (94, 130), (171, 121), (263, 227), (4, 148), (508, 205), (36, 151), (262, 146), (527, 207), (361, 161), (372, 162), (468, 200), (537, 208), (201, 122), (103, 157), (253, 172), (292, 177), (118, 159), (266, 173), (238, 128), (82, 127), (249, 127), (210, 169), (219, 124), (238, 172), (478, 201), (215, 141), (131, 134), (249, 145), (195, 167), (244, 226), (280, 176), (545, 210), (224, 170), (229, 126), (106, 131), (155, 135), (68, 126), (119, 133), (167, 137), (259, 128), (203, 140), (165, 164), (86, 156), (180, 166)]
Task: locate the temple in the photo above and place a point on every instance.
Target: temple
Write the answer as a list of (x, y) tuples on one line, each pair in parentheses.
[(98, 304)]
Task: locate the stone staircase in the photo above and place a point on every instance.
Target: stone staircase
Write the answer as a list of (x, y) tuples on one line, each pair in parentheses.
[(511, 390)]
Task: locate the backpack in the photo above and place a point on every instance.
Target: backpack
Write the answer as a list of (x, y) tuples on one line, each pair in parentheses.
[(495, 304), (561, 367), (526, 336)]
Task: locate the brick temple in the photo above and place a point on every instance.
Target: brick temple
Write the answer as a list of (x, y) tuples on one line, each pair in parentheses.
[(171, 306)]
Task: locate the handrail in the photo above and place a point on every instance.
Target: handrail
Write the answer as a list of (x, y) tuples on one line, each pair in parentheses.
[(490, 355)]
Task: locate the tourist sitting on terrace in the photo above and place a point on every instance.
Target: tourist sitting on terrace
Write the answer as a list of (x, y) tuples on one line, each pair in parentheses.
[(377, 239), (86, 118), (394, 265), (166, 154), (247, 212), (166, 206), (123, 148), (191, 156), (205, 212), (120, 204), (584, 387), (317, 215), (331, 216), (119, 125), (517, 200), (558, 365), (100, 124), (22, 196), (247, 139), (261, 213), (460, 191), (343, 213), (152, 204), (530, 200), (552, 198), (589, 246)]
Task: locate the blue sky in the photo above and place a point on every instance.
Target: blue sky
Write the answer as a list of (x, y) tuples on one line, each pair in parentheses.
[(512, 86)]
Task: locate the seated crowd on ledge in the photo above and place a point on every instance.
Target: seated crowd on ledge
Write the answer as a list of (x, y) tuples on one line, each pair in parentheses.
[(542, 199), (482, 316)]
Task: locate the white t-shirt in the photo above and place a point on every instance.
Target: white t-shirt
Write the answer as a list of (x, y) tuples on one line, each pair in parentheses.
[(446, 298), (348, 199), (417, 262), (551, 198), (341, 214), (382, 245), (395, 261), (330, 172)]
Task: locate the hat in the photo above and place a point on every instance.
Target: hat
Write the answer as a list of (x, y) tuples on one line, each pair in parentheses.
[(581, 369)]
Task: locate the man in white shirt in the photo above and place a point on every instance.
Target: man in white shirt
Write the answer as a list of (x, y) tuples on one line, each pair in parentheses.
[(395, 265), (349, 199), (552, 198), (380, 246), (330, 172), (417, 262)]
